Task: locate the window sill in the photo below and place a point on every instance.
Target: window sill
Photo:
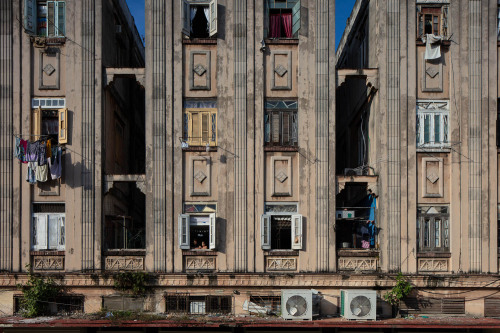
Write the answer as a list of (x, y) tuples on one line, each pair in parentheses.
[(433, 150), (47, 253), (125, 252), (200, 252), (358, 253), (42, 40), (281, 252), (280, 148), (444, 42), (199, 148), (434, 255), (199, 40), (274, 41)]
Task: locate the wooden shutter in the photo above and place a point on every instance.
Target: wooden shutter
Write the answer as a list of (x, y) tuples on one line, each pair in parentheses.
[(63, 126), (184, 242), (296, 18), (212, 232), (205, 127), (297, 232), (195, 132), (30, 16), (275, 128), (492, 307), (51, 18), (61, 19), (444, 21), (213, 17), (39, 232), (37, 122), (286, 129), (265, 232), (186, 17)]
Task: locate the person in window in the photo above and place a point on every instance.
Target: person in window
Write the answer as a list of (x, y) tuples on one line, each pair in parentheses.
[(199, 24), (195, 244), (203, 246)]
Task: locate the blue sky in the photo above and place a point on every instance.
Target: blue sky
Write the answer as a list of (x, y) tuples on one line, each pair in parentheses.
[(343, 10)]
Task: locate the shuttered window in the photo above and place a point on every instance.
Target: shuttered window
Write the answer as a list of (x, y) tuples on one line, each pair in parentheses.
[(200, 127), (48, 227), (281, 128), (432, 20), (199, 18), (282, 18), (433, 229), (45, 18)]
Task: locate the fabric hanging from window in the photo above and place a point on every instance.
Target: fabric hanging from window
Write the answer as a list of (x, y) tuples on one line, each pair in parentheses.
[(287, 24), (206, 10), (275, 26), (193, 13)]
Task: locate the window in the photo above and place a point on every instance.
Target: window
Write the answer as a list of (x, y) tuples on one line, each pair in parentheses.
[(433, 229), (48, 227), (281, 232), (186, 303), (50, 119), (283, 18), (432, 20), (45, 18), (199, 18), (200, 127), (432, 124), (123, 232), (197, 231), (281, 123)]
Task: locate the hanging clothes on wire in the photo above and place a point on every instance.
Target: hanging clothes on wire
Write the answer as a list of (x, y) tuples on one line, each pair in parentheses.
[(55, 164), (32, 151), (20, 149), (30, 176), (42, 152)]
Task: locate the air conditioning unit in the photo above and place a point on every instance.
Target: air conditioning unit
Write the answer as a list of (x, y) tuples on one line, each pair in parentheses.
[(299, 304), (358, 304)]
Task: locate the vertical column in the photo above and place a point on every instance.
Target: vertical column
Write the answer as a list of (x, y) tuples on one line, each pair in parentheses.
[(393, 137), (322, 131), (474, 135), (88, 133), (6, 138), (240, 135)]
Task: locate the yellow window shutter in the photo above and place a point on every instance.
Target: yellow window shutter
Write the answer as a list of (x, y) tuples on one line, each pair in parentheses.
[(63, 126), (195, 128), (37, 123), (205, 127)]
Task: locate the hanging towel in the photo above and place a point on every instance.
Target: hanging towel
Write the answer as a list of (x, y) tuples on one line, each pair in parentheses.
[(42, 173), (55, 164), (42, 153), (30, 176), (432, 46), (32, 151)]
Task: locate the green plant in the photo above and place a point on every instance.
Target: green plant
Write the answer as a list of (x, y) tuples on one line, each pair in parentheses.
[(399, 291), (135, 282), (36, 293)]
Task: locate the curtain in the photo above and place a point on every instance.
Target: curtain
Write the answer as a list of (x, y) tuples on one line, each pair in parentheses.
[(193, 13), (206, 10), (275, 26), (287, 24)]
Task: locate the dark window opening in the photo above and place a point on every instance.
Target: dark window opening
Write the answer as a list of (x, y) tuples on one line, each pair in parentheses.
[(281, 232), (199, 22), (432, 20), (185, 303), (122, 232), (280, 23), (199, 236), (50, 125), (433, 229), (56, 305)]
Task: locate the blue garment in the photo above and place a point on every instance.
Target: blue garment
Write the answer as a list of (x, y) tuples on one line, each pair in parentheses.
[(31, 175), (371, 232), (373, 206)]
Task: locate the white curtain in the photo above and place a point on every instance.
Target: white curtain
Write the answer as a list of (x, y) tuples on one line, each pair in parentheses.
[(193, 13)]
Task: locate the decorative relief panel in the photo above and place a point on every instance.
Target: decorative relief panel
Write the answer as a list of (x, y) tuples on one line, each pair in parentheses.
[(281, 171), (49, 69), (281, 62), (281, 264), (433, 265), (200, 263), (49, 188), (432, 75), (432, 177), (358, 264), (131, 263), (200, 171), (199, 70), (48, 263)]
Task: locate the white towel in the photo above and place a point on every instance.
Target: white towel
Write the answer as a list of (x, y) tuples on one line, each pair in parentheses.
[(432, 46)]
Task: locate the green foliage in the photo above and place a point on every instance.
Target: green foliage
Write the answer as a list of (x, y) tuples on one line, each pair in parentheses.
[(399, 291), (135, 282), (36, 294)]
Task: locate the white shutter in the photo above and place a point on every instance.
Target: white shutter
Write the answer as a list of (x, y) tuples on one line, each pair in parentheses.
[(212, 232), (62, 233), (184, 232), (297, 232), (186, 17), (213, 17), (39, 232), (30, 16), (53, 231), (265, 232)]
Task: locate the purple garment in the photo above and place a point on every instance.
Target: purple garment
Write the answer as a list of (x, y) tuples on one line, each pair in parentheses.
[(42, 152)]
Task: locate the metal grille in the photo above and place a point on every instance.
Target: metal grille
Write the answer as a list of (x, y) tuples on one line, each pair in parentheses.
[(181, 303), (492, 307), (48, 208), (433, 306)]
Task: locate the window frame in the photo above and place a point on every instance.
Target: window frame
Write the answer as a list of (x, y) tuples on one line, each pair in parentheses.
[(296, 231), (184, 229), (31, 18), (294, 7), (439, 11), (198, 140), (444, 231), (293, 122), (122, 229), (432, 109), (186, 16), (61, 232)]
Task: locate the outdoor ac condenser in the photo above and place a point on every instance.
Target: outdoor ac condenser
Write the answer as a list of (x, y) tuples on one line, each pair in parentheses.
[(358, 304), (299, 304)]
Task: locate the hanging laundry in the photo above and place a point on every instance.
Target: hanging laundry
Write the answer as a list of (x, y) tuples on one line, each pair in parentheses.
[(55, 164), (49, 148), (32, 151), (30, 176), (42, 153), (42, 173), (20, 149)]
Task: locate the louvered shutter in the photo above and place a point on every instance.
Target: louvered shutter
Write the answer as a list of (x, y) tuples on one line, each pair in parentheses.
[(63, 126), (37, 122), (296, 18), (30, 16), (186, 17), (286, 129), (195, 132), (444, 21), (275, 128), (61, 19), (297, 232), (184, 232), (39, 232), (212, 232), (51, 18), (213, 17), (205, 127), (265, 232)]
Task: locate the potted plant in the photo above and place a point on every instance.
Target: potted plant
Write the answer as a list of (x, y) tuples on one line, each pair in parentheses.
[(401, 289)]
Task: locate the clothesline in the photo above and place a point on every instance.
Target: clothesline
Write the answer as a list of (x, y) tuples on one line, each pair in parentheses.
[(42, 137)]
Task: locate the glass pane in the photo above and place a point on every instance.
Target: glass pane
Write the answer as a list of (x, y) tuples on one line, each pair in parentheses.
[(445, 128), (418, 129), (267, 128), (62, 233), (53, 232), (446, 234), (214, 127), (436, 25), (427, 128), (418, 234), (437, 233), (60, 19), (426, 233), (437, 129), (428, 24), (184, 231), (51, 19)]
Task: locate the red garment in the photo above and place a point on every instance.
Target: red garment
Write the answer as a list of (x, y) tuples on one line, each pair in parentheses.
[(287, 24), (275, 26), (24, 146)]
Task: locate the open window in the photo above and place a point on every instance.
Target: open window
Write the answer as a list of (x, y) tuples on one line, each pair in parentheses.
[(45, 18), (197, 232), (282, 18), (432, 20), (199, 18), (200, 127), (281, 232), (281, 123), (50, 120), (48, 227), (433, 229)]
